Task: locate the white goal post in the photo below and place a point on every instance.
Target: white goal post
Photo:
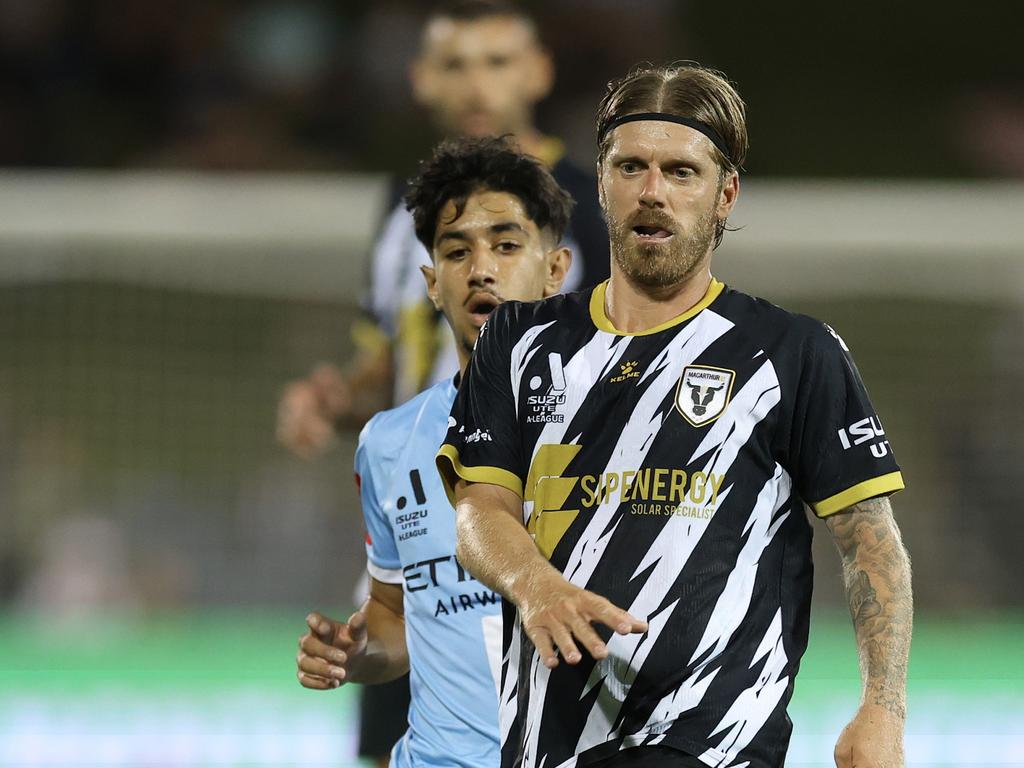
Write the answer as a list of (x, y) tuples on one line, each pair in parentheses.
[(306, 235)]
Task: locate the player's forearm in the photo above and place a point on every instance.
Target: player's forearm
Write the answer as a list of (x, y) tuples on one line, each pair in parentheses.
[(386, 656), (876, 571), (495, 547)]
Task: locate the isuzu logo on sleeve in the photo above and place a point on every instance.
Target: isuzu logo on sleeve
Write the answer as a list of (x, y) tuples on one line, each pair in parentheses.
[(703, 393)]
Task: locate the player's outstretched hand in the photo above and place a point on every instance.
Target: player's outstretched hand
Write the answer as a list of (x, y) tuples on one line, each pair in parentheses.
[(873, 739), (329, 650), (558, 615), (309, 409)]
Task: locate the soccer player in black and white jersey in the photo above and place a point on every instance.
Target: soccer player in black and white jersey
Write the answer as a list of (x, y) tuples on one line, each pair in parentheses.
[(630, 467)]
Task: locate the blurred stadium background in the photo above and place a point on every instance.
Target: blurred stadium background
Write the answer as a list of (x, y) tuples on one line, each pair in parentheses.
[(187, 196)]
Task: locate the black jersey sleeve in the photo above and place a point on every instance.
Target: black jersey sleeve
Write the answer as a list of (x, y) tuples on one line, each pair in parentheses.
[(839, 452), (483, 443)]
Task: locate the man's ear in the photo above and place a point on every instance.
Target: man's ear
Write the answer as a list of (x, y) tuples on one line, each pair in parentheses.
[(423, 81), (559, 261), (729, 194), (542, 73), (430, 275)]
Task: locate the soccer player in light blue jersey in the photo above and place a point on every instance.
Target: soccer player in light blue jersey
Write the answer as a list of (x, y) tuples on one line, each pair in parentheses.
[(492, 219)]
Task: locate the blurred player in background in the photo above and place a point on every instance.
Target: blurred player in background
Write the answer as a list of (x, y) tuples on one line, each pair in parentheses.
[(659, 437), (494, 219), (480, 72)]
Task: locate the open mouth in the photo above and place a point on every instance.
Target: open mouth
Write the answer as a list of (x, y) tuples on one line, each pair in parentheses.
[(481, 305), (652, 233)]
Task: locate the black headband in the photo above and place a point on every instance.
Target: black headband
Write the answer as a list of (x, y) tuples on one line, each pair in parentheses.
[(697, 125)]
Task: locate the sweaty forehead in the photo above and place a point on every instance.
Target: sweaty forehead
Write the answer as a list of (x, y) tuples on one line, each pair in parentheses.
[(659, 139), (488, 35), (482, 211)]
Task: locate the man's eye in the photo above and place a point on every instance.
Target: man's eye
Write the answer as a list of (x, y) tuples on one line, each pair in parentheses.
[(452, 65), (628, 167), (508, 246), (497, 62), (458, 253), (682, 173)]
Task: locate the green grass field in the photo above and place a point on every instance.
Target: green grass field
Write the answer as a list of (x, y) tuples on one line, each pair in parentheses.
[(219, 689)]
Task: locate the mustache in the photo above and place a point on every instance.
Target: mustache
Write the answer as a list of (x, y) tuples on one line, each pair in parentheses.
[(651, 219)]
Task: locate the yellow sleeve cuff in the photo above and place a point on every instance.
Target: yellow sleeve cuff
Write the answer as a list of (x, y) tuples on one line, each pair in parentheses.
[(876, 486), (451, 468)]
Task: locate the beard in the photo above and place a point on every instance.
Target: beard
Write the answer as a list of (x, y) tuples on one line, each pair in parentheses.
[(661, 265)]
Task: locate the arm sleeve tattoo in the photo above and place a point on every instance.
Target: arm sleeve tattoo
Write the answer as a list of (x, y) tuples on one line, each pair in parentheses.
[(876, 572)]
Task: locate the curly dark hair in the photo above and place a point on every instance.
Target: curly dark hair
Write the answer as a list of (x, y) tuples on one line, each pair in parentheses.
[(459, 168)]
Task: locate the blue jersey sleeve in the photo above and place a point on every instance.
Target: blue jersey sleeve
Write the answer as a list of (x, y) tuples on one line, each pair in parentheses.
[(371, 469)]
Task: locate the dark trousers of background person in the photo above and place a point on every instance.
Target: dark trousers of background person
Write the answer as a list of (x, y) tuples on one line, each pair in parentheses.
[(383, 718)]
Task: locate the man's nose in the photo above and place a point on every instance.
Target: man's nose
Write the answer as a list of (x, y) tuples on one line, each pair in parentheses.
[(652, 194), (476, 84), (483, 266)]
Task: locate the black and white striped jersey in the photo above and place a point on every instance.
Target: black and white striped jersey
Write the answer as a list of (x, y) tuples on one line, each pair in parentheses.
[(667, 471)]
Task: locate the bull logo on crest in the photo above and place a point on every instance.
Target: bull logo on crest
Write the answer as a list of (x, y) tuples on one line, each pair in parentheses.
[(703, 393)]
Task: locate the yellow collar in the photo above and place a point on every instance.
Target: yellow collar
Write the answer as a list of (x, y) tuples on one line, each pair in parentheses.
[(600, 317), (550, 151)]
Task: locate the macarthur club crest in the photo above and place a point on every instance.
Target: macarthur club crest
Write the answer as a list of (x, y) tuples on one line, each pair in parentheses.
[(703, 393)]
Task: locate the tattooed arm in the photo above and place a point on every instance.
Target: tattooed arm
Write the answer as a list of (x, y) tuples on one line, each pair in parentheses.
[(876, 571)]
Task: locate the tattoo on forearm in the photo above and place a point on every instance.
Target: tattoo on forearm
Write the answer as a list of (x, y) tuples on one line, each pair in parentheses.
[(876, 571), (863, 599)]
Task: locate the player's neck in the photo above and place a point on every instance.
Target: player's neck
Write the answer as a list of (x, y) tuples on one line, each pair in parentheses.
[(634, 308)]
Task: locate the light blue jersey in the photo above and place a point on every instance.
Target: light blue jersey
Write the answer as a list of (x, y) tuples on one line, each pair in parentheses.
[(452, 622)]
